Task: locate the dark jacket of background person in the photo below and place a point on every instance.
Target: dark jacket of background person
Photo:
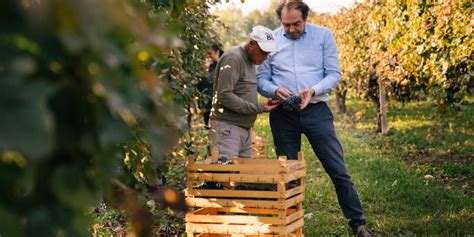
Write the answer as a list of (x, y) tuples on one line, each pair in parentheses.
[(206, 84)]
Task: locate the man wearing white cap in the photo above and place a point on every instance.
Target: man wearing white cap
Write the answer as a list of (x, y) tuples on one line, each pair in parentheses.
[(234, 104)]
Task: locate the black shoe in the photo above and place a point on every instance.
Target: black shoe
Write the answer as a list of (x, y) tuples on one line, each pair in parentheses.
[(362, 231)]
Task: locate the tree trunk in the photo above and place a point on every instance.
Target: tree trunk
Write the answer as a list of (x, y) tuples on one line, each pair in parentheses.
[(189, 120), (383, 109), (341, 101), (373, 93), (338, 103)]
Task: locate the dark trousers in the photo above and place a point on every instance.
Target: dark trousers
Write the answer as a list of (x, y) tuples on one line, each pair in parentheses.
[(316, 122)]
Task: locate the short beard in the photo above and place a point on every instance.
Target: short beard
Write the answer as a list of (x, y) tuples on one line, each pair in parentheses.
[(294, 37)]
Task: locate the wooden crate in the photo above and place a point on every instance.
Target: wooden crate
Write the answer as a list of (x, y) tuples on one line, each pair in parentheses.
[(275, 210)]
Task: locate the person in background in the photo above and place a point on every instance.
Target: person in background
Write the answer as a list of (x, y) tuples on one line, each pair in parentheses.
[(307, 67), (213, 55), (234, 103)]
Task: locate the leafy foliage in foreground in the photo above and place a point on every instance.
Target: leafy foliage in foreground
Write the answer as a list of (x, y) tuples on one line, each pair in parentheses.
[(79, 81)]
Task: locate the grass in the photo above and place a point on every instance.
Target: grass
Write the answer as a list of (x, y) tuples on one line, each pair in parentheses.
[(410, 181)]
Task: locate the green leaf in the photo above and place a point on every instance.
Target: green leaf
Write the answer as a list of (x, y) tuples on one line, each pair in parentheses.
[(113, 131), (8, 225), (72, 190), (25, 125)]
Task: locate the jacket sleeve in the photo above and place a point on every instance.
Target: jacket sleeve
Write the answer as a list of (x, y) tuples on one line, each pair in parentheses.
[(227, 77)]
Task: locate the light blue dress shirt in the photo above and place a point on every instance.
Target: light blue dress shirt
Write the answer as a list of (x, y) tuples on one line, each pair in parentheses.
[(311, 61)]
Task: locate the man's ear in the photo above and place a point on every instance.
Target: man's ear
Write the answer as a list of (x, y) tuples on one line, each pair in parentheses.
[(252, 44)]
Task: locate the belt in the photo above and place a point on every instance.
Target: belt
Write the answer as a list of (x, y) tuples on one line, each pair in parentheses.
[(314, 104)]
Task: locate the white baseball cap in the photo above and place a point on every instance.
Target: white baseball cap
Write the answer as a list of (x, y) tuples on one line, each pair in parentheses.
[(264, 38)]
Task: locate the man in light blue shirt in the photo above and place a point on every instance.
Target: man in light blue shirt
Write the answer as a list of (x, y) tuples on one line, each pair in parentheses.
[(307, 65)]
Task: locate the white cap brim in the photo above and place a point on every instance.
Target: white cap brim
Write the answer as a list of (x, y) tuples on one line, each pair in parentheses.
[(268, 46)]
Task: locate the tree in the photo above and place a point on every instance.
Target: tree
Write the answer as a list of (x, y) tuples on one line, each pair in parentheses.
[(418, 48), (232, 31), (267, 18)]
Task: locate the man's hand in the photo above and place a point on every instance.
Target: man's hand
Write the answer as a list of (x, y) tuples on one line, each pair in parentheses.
[(269, 105), (306, 95), (282, 93), (272, 102)]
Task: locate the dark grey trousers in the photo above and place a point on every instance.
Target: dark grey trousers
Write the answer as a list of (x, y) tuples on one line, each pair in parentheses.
[(316, 122)]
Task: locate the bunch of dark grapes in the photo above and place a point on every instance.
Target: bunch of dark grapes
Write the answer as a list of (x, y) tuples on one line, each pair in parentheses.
[(210, 185), (292, 103), (244, 187), (223, 161)]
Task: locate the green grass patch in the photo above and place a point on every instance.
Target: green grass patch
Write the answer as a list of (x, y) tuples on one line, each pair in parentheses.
[(410, 181)]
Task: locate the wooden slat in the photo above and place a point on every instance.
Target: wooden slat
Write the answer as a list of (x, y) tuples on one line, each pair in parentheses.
[(242, 178), (277, 166), (246, 160), (243, 203), (202, 211), (234, 193), (237, 235), (299, 231), (234, 219), (295, 165), (290, 235), (272, 162), (247, 210), (300, 156), (214, 155), (294, 191), (257, 168), (234, 229), (249, 161), (190, 160), (294, 216), (295, 225), (295, 175), (251, 229), (219, 202)]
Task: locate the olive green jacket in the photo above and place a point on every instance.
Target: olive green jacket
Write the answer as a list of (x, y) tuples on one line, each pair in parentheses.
[(235, 89)]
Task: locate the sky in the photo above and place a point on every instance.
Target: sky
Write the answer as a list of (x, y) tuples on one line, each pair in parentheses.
[(319, 6)]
